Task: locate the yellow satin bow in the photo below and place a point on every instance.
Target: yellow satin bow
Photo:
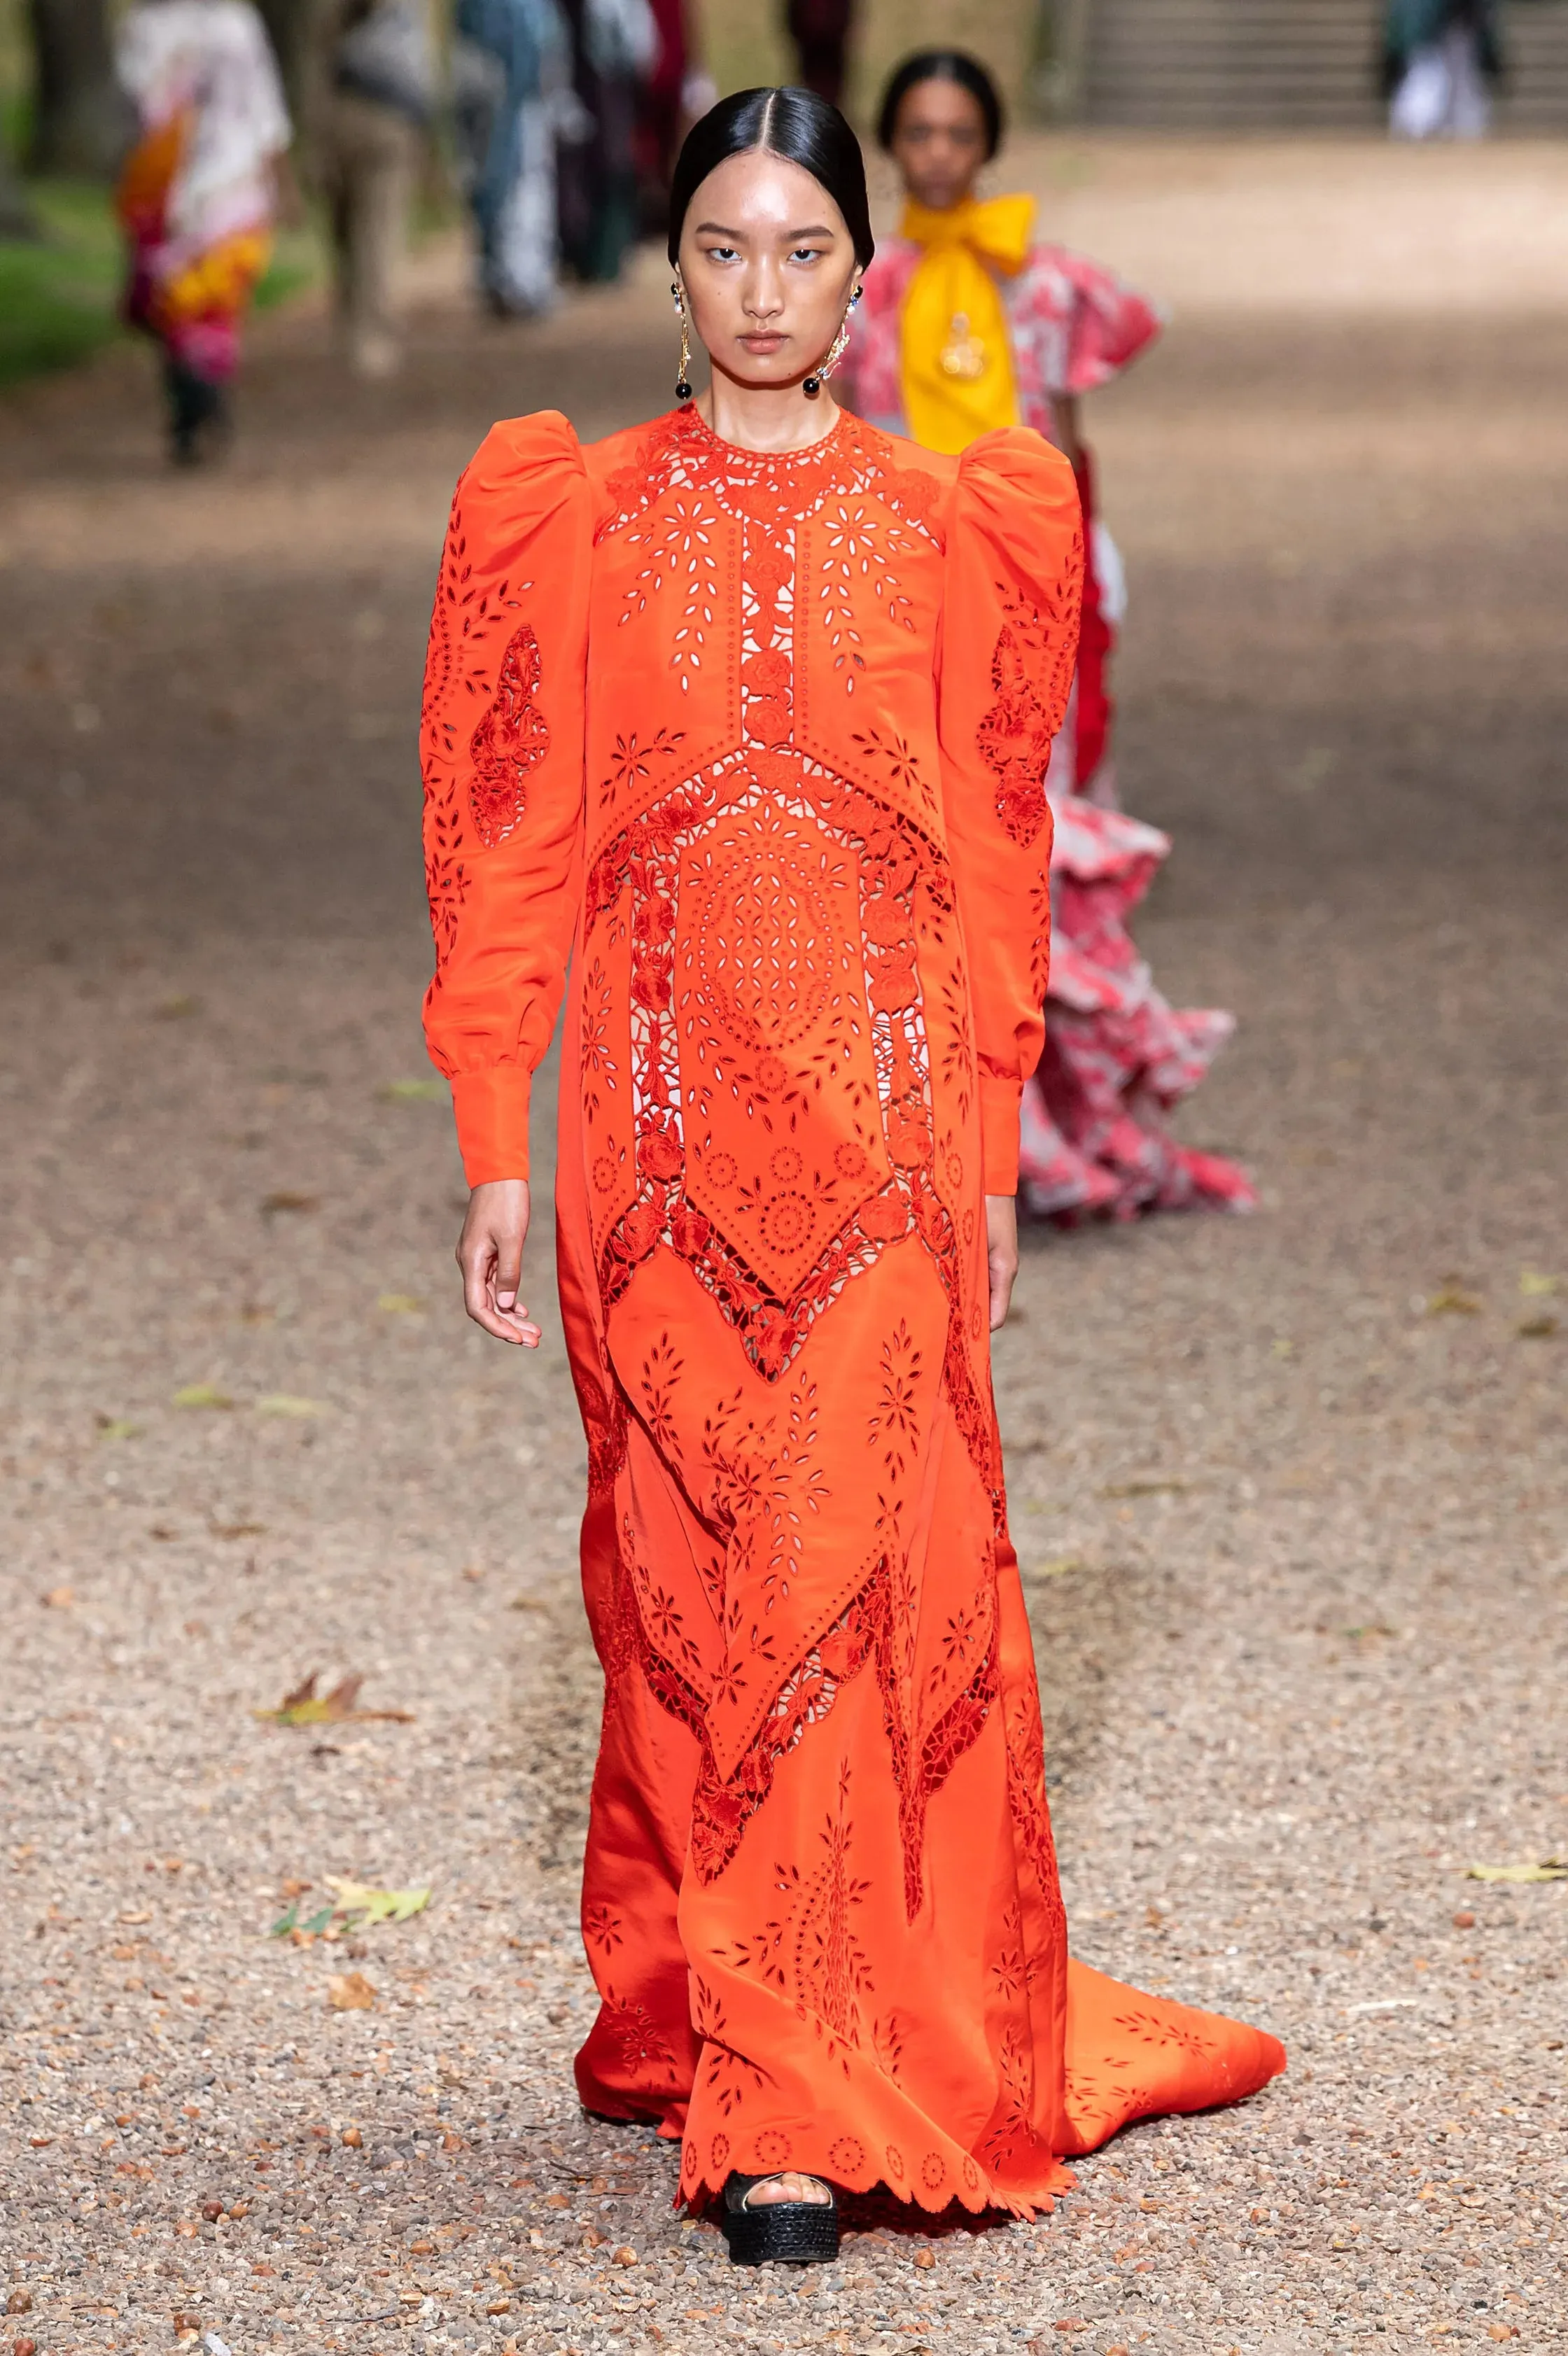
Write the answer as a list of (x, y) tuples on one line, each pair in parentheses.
[(956, 354)]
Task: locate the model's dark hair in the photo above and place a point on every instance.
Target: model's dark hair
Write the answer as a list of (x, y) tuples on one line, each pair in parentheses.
[(794, 123), (942, 65)]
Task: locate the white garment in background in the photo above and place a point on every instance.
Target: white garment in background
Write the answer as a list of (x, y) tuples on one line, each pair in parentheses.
[(1443, 93), (621, 37), (520, 269), (213, 57)]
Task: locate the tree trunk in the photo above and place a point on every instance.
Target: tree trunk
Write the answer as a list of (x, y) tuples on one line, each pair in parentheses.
[(80, 120)]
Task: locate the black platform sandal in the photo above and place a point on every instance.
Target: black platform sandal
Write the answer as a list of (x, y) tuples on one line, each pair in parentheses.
[(781, 2233)]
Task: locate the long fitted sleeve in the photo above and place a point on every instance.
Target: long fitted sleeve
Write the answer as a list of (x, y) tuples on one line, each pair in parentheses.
[(501, 746), (1009, 635)]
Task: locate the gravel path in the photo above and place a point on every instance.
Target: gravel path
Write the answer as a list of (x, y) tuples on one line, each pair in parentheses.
[(1289, 1492)]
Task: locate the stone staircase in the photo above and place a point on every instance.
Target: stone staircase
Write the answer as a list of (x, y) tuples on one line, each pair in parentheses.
[(1280, 65)]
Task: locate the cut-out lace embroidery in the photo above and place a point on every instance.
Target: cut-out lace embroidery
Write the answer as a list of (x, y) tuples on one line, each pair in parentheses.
[(1014, 737), (511, 739)]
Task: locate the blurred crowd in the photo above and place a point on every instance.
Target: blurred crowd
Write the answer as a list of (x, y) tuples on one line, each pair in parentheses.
[(557, 120)]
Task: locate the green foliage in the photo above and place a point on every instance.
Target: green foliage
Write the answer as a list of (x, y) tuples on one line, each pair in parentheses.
[(59, 293)]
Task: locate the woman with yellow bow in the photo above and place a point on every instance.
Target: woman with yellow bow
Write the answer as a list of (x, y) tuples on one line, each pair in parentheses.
[(968, 325)]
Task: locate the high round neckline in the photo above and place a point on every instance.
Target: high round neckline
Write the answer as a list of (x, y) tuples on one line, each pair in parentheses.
[(823, 443)]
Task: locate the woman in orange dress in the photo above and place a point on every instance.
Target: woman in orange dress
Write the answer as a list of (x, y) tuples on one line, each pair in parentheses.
[(743, 717)]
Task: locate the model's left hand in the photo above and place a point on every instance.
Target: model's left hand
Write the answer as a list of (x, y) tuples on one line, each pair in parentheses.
[(1001, 1253)]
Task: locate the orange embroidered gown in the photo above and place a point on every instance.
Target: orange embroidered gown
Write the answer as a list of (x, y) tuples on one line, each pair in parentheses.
[(754, 746)]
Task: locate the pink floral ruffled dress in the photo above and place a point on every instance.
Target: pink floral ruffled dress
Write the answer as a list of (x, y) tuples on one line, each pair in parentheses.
[(1118, 1057)]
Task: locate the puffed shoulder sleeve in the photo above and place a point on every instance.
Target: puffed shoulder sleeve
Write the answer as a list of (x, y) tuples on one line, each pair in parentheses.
[(1005, 653), (501, 750), (1110, 324)]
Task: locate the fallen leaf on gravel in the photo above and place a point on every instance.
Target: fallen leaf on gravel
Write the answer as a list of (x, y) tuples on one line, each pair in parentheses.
[(401, 1304), (289, 1926), (925, 2258), (1452, 1300), (625, 2256), (287, 1403), (1534, 1285), (201, 1395), (1536, 1329), (430, 1091), (303, 1707), (285, 1199), (114, 1427), (366, 1903), (239, 1530), (59, 1599), (1057, 1568), (1549, 1868), (1145, 1489), (20, 2303), (350, 1992)]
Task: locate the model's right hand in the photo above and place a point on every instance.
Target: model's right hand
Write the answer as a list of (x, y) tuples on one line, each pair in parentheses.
[(489, 1253)]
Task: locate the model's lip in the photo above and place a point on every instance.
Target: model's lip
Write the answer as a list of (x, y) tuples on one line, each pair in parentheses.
[(763, 342)]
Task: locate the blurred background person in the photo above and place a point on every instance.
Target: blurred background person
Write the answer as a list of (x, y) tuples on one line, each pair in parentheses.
[(615, 51), (677, 91), (1441, 59), (969, 324), (820, 31), (374, 87), (198, 195), (512, 83)]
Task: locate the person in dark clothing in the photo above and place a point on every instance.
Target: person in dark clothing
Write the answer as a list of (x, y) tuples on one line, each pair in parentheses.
[(821, 30), (615, 47)]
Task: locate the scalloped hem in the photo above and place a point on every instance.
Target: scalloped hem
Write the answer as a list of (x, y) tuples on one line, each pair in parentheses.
[(705, 2191)]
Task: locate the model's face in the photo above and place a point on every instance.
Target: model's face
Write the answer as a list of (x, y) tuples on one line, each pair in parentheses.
[(769, 268), (938, 143)]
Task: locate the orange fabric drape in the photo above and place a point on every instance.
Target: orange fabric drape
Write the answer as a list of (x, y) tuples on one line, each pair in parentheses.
[(755, 745)]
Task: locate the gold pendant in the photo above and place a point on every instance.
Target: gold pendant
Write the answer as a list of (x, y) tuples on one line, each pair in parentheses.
[(963, 355)]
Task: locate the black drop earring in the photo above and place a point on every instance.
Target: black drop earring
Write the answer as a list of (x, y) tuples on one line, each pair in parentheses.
[(683, 382)]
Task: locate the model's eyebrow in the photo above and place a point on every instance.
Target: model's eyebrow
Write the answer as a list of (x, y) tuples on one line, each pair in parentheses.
[(717, 229)]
